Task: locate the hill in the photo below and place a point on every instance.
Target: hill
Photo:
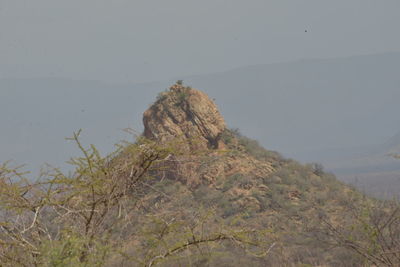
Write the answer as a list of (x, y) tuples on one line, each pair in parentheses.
[(246, 184), (191, 192)]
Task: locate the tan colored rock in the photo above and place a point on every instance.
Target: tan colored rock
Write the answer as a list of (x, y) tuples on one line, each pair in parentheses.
[(186, 114)]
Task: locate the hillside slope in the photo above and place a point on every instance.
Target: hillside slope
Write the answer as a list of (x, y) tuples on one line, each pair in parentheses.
[(245, 185)]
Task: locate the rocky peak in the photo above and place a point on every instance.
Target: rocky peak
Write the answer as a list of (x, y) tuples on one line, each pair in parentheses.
[(189, 116), (185, 113)]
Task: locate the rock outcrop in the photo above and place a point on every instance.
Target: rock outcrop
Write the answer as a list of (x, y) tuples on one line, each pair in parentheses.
[(187, 114), (190, 117)]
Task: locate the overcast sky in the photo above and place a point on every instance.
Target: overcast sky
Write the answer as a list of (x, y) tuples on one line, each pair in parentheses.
[(148, 40)]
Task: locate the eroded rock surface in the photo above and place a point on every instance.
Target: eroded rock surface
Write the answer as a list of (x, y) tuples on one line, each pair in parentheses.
[(187, 114)]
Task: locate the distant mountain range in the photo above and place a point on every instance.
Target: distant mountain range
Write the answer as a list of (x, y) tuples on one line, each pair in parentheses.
[(309, 105), (374, 169)]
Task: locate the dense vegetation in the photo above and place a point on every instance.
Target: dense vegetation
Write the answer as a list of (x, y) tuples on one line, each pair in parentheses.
[(102, 214)]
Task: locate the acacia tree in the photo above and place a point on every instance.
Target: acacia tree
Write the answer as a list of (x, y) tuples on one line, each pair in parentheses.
[(81, 219), (371, 230)]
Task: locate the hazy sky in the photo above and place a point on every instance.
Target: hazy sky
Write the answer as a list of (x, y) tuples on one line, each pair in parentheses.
[(147, 40)]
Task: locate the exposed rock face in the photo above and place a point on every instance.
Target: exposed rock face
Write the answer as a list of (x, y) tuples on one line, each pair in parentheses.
[(186, 113), (190, 116)]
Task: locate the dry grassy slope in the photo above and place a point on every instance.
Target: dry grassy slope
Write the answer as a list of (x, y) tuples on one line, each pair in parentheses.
[(220, 169)]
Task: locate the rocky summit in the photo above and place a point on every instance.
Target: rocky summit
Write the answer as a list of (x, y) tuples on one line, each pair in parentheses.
[(185, 113)]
